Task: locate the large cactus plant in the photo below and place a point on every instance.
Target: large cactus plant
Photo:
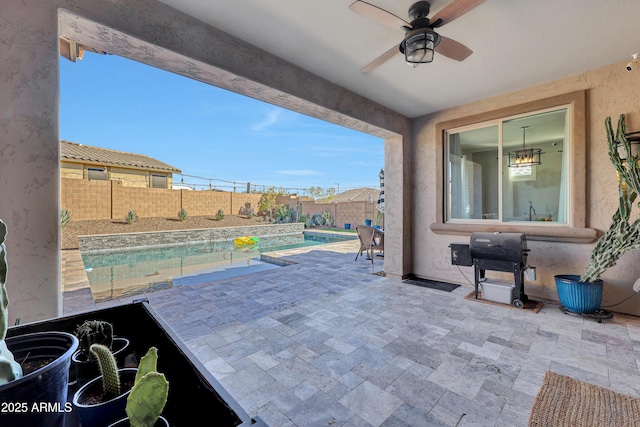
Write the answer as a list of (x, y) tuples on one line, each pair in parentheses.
[(624, 233), (149, 393), (9, 368)]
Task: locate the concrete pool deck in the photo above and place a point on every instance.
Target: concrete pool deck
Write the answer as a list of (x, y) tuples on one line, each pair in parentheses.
[(324, 342)]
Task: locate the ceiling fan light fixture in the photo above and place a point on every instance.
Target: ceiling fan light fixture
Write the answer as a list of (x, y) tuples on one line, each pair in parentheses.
[(418, 46)]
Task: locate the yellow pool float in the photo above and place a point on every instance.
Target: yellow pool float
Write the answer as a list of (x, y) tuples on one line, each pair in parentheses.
[(245, 241)]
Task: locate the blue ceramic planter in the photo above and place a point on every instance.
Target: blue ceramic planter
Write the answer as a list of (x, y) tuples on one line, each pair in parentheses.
[(577, 296)]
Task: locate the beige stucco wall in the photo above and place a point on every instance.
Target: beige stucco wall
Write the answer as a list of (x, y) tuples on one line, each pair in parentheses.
[(129, 177), (153, 33), (71, 170), (611, 91)]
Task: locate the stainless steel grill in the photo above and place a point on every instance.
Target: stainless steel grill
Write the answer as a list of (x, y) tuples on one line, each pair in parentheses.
[(500, 252)]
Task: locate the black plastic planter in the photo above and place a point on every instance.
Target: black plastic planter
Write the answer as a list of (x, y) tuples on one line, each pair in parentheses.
[(194, 394), (86, 370), (39, 398), (105, 413)]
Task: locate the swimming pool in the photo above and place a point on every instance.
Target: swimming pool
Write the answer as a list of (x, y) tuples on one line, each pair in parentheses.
[(117, 274)]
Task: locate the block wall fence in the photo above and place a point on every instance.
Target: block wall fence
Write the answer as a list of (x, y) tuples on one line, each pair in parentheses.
[(111, 200), (353, 213)]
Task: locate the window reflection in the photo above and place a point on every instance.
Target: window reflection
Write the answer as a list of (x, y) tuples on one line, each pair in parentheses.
[(481, 186)]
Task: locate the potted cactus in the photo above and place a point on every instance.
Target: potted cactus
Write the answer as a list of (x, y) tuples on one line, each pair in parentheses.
[(102, 400), (148, 395), (39, 372), (95, 332), (583, 294)]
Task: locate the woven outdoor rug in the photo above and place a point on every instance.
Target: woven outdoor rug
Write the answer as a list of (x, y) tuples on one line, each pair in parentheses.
[(564, 401), (531, 305)]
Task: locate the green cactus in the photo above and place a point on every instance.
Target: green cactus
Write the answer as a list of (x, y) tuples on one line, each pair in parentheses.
[(149, 393), (622, 235), (182, 215), (9, 369), (94, 332), (108, 369)]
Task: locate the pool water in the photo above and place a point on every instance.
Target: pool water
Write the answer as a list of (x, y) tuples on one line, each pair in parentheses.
[(117, 274)]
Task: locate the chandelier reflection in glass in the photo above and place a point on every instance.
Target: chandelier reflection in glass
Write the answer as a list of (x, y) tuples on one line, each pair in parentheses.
[(526, 156)]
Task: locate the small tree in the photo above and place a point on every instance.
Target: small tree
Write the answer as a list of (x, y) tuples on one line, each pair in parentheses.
[(267, 202)]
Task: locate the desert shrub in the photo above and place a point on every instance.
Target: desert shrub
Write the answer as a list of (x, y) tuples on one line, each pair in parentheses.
[(244, 209), (220, 215), (250, 213), (317, 219), (131, 217), (284, 214), (182, 214), (65, 218), (304, 218), (327, 218), (309, 222)]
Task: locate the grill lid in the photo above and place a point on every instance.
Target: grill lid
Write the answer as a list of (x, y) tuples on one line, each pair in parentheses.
[(499, 246)]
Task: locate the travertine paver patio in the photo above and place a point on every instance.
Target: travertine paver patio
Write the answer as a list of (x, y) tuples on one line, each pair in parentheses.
[(326, 343)]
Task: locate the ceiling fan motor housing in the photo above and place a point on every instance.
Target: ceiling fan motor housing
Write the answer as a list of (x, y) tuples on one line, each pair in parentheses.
[(419, 10)]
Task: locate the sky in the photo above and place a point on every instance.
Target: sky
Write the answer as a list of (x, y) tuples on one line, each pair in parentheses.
[(119, 104)]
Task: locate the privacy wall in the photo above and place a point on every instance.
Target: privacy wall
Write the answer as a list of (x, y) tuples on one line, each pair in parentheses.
[(111, 200), (353, 213)]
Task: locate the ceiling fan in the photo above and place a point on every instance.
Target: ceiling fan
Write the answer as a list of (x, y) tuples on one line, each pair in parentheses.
[(421, 38)]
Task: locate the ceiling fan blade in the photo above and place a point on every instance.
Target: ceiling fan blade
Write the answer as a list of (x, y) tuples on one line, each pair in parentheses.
[(381, 59), (379, 15), (454, 10), (452, 49)]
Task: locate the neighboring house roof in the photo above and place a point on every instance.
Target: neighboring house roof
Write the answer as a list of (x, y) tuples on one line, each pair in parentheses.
[(80, 152), (355, 195)]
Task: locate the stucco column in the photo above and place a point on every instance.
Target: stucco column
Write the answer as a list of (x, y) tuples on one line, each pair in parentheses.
[(29, 157), (397, 207)]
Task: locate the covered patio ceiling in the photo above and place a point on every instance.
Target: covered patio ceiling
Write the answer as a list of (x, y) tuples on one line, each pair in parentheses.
[(515, 44)]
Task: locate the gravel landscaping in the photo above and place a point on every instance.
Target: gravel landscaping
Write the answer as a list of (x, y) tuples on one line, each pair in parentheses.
[(74, 229)]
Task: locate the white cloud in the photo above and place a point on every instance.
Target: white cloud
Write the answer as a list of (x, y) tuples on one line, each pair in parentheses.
[(271, 118), (299, 172)]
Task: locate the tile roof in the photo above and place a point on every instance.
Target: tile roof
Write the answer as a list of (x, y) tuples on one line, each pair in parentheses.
[(355, 195), (73, 151)]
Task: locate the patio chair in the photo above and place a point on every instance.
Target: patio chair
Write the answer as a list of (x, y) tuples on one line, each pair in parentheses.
[(370, 239)]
